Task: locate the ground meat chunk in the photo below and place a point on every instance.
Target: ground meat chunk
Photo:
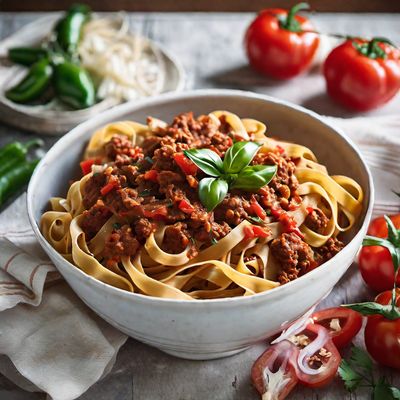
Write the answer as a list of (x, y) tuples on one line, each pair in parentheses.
[(121, 242), (121, 145), (91, 190), (143, 229), (150, 144), (317, 221), (166, 178), (231, 210), (94, 218), (328, 250), (176, 238), (293, 254)]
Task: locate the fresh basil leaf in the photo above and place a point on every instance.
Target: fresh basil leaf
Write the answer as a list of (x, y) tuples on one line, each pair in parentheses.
[(372, 308), (239, 156), (352, 379), (254, 177), (212, 191), (207, 160)]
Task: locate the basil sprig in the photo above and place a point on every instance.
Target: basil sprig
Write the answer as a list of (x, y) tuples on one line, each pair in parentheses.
[(234, 172)]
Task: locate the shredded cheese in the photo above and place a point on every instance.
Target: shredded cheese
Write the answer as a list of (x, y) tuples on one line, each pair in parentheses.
[(126, 65)]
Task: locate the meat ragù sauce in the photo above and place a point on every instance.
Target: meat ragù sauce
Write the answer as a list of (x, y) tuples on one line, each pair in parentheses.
[(154, 183)]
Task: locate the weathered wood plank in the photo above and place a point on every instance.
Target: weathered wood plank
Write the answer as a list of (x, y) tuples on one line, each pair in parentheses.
[(210, 49)]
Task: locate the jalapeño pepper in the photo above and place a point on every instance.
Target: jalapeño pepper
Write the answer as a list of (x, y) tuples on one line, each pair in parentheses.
[(26, 55), (14, 153), (69, 28), (34, 83), (15, 179), (73, 85)]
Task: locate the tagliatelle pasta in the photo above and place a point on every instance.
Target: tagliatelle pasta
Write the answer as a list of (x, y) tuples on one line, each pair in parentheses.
[(234, 264)]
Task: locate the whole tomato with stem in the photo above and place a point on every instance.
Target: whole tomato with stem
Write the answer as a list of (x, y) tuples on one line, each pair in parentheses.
[(281, 44), (363, 74), (375, 262), (382, 332)]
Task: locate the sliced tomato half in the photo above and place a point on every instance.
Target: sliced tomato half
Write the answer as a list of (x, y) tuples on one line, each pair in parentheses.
[(274, 372), (342, 323)]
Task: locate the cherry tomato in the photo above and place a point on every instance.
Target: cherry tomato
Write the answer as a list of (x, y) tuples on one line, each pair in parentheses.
[(277, 45), (342, 323), (375, 262), (362, 75), (274, 374), (382, 336), (326, 355)]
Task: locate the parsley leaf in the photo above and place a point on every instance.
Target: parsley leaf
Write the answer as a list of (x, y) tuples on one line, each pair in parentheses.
[(350, 377), (361, 358)]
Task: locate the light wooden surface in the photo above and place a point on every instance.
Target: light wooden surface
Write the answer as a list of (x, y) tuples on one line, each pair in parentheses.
[(210, 48)]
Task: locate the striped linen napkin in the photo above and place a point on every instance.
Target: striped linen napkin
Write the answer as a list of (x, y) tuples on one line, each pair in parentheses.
[(52, 342)]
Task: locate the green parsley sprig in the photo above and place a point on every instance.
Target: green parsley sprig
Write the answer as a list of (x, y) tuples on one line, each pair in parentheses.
[(234, 172), (358, 371)]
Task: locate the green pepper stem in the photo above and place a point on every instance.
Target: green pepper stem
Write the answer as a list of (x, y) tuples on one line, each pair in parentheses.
[(290, 23), (33, 143)]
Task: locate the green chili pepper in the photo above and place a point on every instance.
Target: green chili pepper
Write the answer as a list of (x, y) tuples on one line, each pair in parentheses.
[(69, 28), (15, 153), (26, 55), (74, 85), (34, 83), (16, 179)]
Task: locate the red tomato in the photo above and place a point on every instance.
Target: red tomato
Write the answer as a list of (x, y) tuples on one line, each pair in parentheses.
[(317, 375), (186, 165), (257, 209), (274, 374), (348, 321), (382, 336), (159, 212), (375, 262), (86, 165), (280, 49), (111, 185), (151, 175), (186, 207), (362, 82), (253, 231)]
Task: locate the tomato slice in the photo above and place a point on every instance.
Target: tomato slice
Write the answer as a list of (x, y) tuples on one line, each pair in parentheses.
[(319, 359), (186, 207), (253, 231), (257, 209), (274, 373), (342, 323), (186, 165)]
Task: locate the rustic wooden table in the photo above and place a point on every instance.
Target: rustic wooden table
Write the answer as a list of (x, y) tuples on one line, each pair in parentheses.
[(209, 45)]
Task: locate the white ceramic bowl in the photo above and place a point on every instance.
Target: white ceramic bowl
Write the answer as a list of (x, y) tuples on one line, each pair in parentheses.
[(209, 328)]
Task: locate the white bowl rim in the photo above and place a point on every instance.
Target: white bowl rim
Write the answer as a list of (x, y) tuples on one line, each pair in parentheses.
[(153, 101)]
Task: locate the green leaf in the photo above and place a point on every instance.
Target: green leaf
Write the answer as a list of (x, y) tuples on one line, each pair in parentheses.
[(375, 241), (393, 235), (212, 191), (382, 391), (254, 177), (395, 392), (350, 377), (372, 308), (360, 358), (239, 156), (207, 160), (256, 220)]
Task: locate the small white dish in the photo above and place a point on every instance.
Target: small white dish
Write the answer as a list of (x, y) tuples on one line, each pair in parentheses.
[(206, 329), (47, 121)]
